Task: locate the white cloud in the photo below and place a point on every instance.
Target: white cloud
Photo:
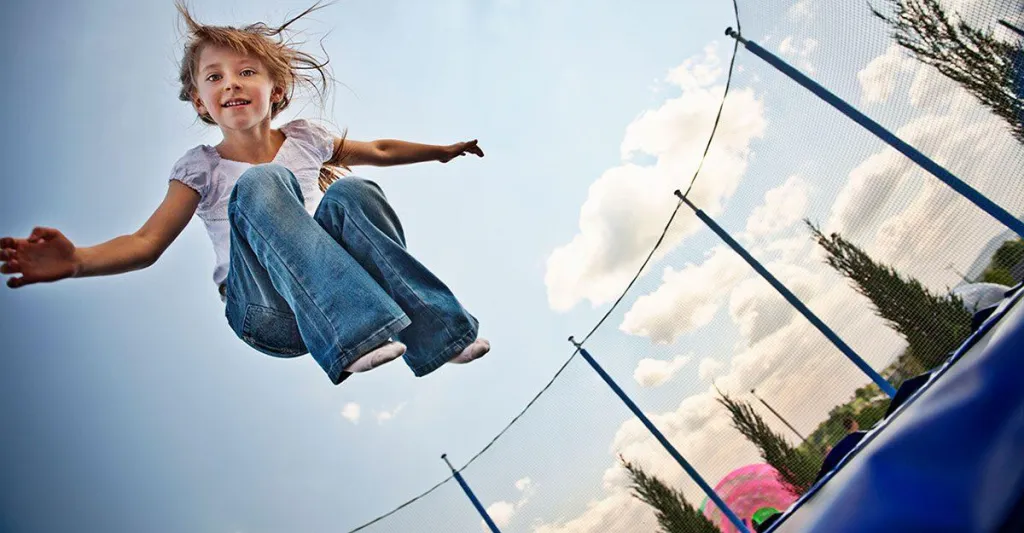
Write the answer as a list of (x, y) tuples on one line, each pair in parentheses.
[(351, 412), (782, 354), (618, 512), (905, 216), (384, 416), (932, 91), (789, 362), (759, 310), (501, 512), (627, 207), (879, 77), (687, 299), (783, 206), (799, 51), (697, 73), (709, 368), (865, 193), (656, 372), (801, 10), (789, 249)]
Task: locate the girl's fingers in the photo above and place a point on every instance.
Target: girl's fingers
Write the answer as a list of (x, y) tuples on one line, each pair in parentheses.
[(43, 233), (10, 267)]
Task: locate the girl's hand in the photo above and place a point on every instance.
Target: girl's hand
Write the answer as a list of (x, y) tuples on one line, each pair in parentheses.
[(459, 149), (46, 255)]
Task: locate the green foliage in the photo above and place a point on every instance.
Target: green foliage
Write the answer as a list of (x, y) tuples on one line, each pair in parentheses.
[(973, 58), (797, 467), (998, 275), (674, 513), (934, 325), (1009, 255), (867, 411)]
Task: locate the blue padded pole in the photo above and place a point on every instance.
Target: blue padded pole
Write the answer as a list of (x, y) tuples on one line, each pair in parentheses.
[(1012, 28), (472, 497), (792, 299), (934, 168), (661, 438)]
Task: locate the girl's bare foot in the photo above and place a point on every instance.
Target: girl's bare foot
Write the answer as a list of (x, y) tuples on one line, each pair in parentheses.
[(472, 352), (384, 353)]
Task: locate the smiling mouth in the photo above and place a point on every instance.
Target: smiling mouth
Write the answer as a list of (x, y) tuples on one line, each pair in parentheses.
[(236, 103)]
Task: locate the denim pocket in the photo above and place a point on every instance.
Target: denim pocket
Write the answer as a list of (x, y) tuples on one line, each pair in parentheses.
[(272, 332)]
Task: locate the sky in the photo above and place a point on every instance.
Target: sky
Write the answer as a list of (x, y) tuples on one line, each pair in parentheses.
[(129, 405)]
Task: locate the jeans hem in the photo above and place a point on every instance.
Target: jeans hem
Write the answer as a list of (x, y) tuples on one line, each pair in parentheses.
[(345, 356), (447, 354)]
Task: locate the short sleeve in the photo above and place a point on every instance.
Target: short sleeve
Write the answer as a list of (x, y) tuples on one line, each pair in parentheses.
[(318, 138), (193, 170)]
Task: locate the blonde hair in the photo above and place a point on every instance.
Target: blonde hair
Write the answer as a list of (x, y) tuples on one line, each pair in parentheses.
[(285, 64)]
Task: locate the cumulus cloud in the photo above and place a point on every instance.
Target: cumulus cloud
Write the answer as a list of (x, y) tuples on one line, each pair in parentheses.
[(716, 452), (899, 213), (501, 512), (781, 354), (794, 367), (384, 416), (789, 249), (801, 10), (905, 216), (687, 299), (783, 206), (351, 412), (618, 512), (878, 79), (867, 191), (799, 51), (759, 310), (657, 372), (709, 368), (628, 205)]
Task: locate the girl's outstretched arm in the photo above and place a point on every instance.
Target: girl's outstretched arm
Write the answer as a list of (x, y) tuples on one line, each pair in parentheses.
[(47, 255), (389, 152)]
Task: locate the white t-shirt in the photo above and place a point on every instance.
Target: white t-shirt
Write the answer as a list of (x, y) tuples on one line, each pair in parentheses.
[(306, 147)]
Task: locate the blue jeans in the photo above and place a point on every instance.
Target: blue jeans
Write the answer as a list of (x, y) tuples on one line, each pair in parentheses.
[(337, 284)]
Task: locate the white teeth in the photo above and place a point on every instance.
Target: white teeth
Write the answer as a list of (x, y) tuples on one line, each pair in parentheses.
[(236, 102)]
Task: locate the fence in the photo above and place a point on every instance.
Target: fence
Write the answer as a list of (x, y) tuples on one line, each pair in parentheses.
[(913, 165)]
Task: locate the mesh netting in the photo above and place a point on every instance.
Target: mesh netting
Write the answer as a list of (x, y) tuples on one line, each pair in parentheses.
[(700, 332)]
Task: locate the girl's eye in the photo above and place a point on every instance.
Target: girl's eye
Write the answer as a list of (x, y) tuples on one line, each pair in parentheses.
[(248, 72), (213, 77)]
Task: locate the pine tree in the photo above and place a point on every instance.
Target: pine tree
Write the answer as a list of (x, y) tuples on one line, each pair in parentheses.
[(674, 513), (988, 68), (797, 469), (933, 325)]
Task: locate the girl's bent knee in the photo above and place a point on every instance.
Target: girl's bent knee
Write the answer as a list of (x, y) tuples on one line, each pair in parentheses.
[(260, 177), (264, 184), (354, 192)]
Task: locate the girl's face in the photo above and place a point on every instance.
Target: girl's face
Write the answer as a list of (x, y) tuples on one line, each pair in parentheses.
[(234, 89)]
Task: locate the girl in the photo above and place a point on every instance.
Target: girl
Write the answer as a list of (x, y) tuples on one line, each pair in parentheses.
[(305, 262)]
